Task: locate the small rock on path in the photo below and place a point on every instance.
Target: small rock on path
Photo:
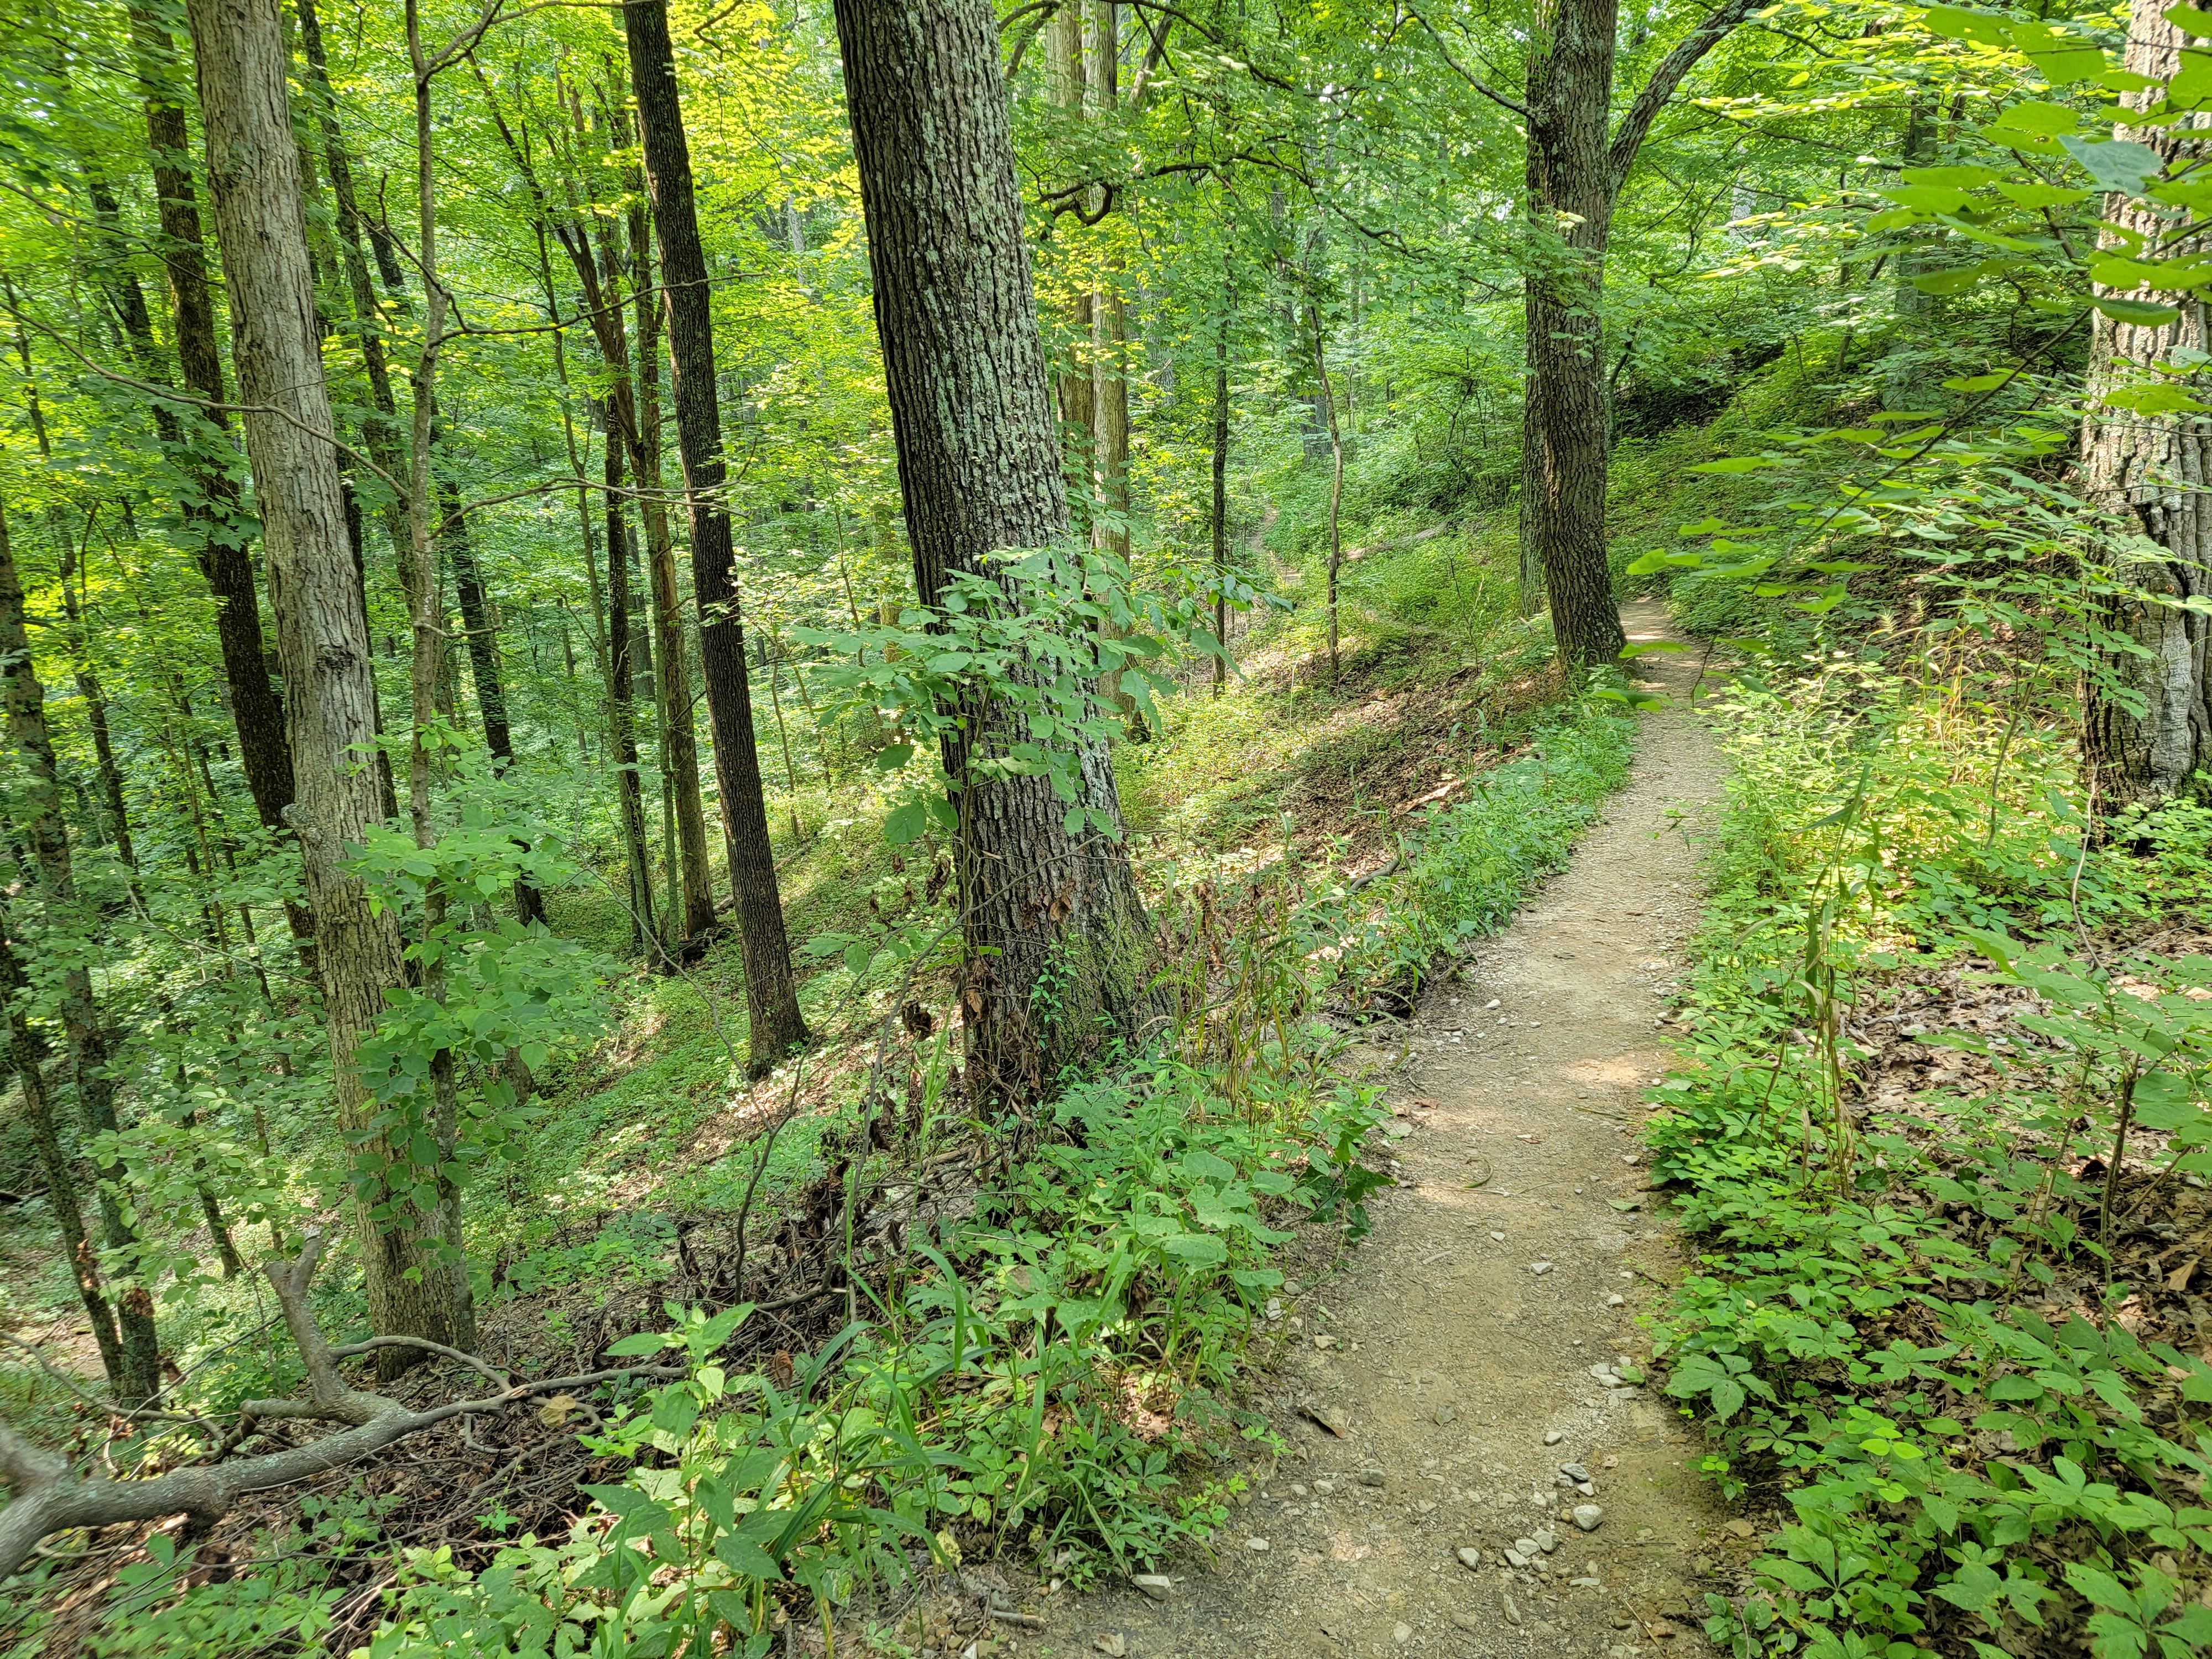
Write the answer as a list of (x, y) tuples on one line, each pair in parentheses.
[(1444, 1424)]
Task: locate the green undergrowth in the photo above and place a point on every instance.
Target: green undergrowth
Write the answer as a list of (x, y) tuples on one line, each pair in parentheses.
[(1058, 1382), (1926, 1323), (1055, 1379)]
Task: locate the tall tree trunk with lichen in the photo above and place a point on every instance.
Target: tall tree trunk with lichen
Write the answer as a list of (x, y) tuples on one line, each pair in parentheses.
[(1057, 941)]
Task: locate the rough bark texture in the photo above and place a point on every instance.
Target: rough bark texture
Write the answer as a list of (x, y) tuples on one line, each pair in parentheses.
[(263, 749), (322, 635), (2153, 473), (1057, 937), (69, 926), (1566, 433), (1575, 174), (771, 993)]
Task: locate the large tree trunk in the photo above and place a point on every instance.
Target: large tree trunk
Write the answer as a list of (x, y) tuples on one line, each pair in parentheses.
[(322, 634), (263, 748), (1566, 433), (979, 464), (70, 928), (2152, 472), (1575, 174), (771, 993)]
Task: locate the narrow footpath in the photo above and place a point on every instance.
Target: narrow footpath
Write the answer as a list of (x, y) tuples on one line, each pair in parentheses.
[(1468, 1471)]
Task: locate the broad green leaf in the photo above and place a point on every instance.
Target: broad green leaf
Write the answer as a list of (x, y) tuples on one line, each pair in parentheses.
[(2064, 65), (2140, 313), (2121, 165), (1927, 198), (1962, 280), (1738, 464), (905, 823), (2154, 400), (1957, 23), (2043, 196), (1952, 175), (2034, 119)]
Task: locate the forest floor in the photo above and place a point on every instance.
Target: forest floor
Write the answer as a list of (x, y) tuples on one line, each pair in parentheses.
[(1467, 1349)]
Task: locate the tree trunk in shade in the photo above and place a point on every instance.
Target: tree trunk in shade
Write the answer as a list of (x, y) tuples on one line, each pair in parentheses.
[(679, 735), (413, 1287), (771, 993), (475, 619), (1218, 518), (1078, 402), (622, 723), (26, 1050), (1566, 415), (2151, 472), (980, 468), (1576, 169), (263, 749), (72, 926)]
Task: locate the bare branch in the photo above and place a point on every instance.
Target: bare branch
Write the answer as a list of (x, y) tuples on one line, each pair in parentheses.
[(1468, 75), (48, 1497), (1637, 124)]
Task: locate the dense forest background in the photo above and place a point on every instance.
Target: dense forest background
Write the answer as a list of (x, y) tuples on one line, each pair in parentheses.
[(717, 714)]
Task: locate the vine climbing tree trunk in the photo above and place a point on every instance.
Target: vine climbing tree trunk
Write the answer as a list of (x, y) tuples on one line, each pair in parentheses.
[(1057, 939), (771, 993), (2152, 473)]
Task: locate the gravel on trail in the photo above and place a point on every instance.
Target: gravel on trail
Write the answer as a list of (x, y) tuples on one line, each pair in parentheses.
[(1471, 1466)]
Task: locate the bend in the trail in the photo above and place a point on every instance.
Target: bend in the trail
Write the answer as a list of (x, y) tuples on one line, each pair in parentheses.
[(1466, 1350)]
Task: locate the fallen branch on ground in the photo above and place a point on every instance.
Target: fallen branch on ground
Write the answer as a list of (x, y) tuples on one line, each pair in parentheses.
[(48, 1496)]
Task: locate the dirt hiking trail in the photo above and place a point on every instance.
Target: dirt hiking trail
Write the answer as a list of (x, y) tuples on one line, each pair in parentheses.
[(1466, 1349)]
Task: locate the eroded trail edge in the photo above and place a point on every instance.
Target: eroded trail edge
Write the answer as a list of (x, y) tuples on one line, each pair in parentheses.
[(1471, 1347)]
